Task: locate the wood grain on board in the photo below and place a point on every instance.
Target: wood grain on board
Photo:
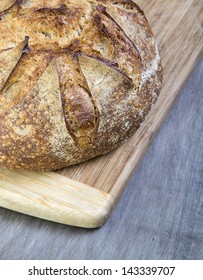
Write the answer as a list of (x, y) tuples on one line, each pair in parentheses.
[(84, 195), (179, 33)]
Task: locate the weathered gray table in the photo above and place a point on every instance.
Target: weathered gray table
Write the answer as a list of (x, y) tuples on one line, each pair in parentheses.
[(160, 215)]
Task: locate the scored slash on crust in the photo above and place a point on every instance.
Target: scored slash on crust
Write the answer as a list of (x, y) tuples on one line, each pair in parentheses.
[(6, 4)]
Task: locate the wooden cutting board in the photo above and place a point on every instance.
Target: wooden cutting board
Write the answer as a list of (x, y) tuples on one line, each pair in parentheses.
[(84, 195)]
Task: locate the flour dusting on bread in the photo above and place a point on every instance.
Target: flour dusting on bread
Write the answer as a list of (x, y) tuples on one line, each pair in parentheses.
[(77, 78)]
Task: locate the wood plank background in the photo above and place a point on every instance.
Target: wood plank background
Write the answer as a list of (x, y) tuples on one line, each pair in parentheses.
[(178, 28), (161, 212), (159, 216)]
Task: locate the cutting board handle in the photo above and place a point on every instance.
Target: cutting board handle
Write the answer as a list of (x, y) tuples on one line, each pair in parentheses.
[(53, 197)]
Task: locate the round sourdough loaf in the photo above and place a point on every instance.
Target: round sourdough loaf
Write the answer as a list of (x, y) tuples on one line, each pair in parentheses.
[(77, 78)]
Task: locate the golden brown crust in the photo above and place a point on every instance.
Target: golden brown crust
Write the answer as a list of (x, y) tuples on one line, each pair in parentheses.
[(6, 4), (76, 79)]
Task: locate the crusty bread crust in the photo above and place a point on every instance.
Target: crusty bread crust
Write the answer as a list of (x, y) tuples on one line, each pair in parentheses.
[(77, 79)]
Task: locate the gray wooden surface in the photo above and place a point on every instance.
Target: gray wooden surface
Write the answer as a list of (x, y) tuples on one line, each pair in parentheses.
[(160, 215)]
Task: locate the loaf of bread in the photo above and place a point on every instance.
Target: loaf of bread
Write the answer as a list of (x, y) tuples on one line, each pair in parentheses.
[(77, 78)]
